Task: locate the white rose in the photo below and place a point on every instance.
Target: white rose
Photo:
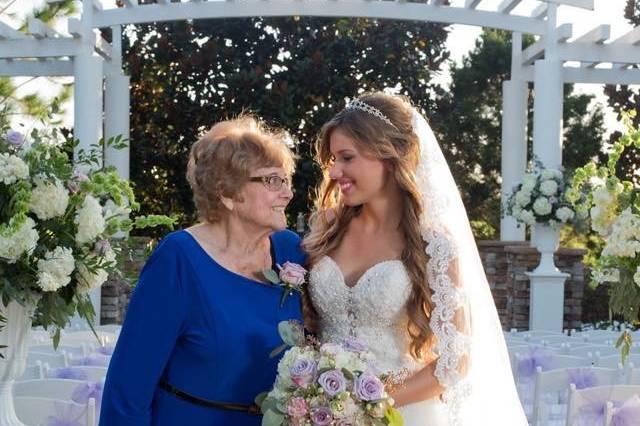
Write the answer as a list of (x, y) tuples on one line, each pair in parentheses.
[(549, 187), (54, 271), (542, 206), (111, 210), (12, 168), (24, 240), (90, 221), (49, 199)]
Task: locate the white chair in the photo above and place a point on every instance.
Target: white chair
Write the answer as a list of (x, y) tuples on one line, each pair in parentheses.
[(37, 411), (593, 351), (550, 340), (81, 349), (34, 372), (54, 360), (90, 373), (47, 388), (596, 397), (613, 360), (551, 388)]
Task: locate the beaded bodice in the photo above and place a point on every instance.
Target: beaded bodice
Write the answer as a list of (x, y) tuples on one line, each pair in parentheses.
[(373, 311)]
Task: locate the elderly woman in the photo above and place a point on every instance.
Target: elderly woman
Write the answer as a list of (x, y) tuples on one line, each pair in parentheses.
[(194, 349)]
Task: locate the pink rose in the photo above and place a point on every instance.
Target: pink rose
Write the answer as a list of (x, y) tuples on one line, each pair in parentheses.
[(321, 416), (297, 407), (292, 274)]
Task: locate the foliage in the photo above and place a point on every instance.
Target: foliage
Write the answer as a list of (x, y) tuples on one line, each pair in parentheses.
[(613, 206), (293, 72), (56, 222)]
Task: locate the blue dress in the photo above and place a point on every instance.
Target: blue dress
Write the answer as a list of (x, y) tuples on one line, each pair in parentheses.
[(204, 329)]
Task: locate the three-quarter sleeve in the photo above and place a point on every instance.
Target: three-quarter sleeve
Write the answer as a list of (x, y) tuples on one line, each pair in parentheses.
[(152, 325)]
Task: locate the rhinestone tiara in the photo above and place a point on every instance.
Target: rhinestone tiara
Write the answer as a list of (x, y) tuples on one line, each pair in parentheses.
[(363, 106)]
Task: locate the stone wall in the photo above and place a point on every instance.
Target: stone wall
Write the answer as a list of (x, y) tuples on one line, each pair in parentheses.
[(116, 292), (505, 263)]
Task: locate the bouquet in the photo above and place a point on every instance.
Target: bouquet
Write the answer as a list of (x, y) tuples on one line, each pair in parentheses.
[(541, 198), (327, 384), (613, 206), (57, 221)]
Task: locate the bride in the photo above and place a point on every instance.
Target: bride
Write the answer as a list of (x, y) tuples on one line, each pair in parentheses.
[(395, 266)]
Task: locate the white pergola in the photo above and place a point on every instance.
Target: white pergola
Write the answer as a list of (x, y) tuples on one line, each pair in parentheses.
[(96, 66)]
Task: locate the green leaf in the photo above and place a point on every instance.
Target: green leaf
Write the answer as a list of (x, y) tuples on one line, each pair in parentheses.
[(278, 350), (393, 417), (271, 275), (259, 399), (272, 418)]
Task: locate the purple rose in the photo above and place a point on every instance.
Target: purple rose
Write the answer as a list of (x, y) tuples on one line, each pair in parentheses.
[(292, 274), (368, 387), (321, 416), (333, 382), (353, 345), (297, 407), (302, 372), (14, 138)]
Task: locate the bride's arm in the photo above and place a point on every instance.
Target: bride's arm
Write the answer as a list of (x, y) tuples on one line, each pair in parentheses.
[(421, 386)]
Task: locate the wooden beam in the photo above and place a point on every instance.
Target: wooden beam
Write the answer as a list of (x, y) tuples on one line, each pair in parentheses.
[(471, 4), (590, 52), (632, 37), (36, 68), (540, 11), (598, 35), (508, 5), (39, 29), (584, 4), (536, 50), (9, 33)]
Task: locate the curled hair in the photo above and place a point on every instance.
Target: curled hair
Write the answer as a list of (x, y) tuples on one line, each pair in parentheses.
[(397, 146), (222, 160)]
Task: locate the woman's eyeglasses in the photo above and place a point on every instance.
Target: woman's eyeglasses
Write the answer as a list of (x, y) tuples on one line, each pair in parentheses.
[(272, 182)]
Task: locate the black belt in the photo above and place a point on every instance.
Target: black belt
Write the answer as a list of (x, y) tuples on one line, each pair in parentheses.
[(252, 409)]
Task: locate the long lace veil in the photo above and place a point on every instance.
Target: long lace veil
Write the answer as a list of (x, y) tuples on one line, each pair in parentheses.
[(473, 364)]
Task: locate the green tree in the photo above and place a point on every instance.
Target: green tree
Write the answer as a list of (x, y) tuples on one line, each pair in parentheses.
[(623, 98), (469, 125), (32, 106), (293, 72)]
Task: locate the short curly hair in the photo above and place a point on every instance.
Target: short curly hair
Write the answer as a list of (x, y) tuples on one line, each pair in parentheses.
[(222, 160)]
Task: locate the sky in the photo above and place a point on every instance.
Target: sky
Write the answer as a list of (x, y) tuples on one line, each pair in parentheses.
[(461, 39)]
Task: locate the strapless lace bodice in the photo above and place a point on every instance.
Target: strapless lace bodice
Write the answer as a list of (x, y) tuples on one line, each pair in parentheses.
[(373, 311)]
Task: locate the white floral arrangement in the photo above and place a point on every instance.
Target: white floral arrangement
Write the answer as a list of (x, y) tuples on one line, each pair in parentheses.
[(57, 219), (327, 384), (613, 207), (541, 198)]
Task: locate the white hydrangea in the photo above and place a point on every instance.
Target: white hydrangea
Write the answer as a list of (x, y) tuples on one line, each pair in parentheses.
[(527, 217), (49, 199), (24, 240), (523, 197), (607, 275), (529, 182), (549, 187), (550, 174), (542, 206), (90, 221), (54, 271), (624, 240), (88, 280), (349, 360), (12, 168), (565, 214), (111, 209)]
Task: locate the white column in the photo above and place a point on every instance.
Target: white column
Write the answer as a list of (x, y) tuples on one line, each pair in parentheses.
[(514, 150), (547, 112), (116, 123), (87, 100)]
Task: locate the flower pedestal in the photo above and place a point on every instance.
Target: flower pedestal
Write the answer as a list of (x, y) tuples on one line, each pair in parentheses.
[(546, 292), (14, 334)]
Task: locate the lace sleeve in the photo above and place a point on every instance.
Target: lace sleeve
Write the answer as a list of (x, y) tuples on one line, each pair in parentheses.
[(450, 320)]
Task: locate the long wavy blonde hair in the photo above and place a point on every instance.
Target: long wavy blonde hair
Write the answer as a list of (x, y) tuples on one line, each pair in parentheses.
[(399, 148)]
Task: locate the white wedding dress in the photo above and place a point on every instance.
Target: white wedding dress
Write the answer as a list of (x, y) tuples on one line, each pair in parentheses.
[(374, 312)]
